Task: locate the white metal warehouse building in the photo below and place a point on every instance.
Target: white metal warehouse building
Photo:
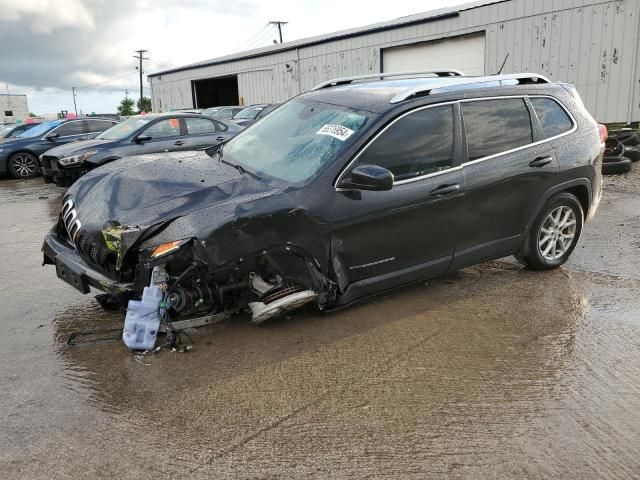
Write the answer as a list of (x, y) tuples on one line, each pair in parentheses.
[(593, 44)]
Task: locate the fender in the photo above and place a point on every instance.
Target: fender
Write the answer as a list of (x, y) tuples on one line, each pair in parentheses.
[(556, 189), (104, 161)]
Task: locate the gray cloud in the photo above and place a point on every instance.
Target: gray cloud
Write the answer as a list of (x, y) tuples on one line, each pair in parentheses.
[(81, 42)]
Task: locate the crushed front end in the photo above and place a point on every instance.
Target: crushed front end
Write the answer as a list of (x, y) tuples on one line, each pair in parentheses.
[(119, 260)]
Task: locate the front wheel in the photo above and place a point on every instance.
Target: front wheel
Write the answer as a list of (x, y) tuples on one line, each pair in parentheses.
[(554, 233), (23, 165)]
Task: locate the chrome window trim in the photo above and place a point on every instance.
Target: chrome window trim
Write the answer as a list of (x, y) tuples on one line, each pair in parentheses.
[(528, 145), (472, 162), (65, 136)]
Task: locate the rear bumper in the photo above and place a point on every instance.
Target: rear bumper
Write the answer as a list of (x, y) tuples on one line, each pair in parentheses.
[(71, 268)]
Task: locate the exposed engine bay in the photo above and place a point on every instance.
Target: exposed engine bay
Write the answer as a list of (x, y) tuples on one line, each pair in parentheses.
[(182, 286)]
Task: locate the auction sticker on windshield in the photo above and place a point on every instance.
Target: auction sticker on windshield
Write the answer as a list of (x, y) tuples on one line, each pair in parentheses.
[(336, 131)]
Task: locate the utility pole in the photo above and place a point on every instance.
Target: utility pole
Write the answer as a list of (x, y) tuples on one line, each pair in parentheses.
[(126, 94), (73, 90), (278, 24), (140, 57)]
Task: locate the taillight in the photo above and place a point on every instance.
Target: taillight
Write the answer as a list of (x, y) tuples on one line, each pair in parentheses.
[(603, 132)]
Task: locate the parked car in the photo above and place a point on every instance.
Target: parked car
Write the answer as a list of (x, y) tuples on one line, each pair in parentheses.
[(19, 156), (251, 114), (224, 113), (13, 130), (341, 193), (167, 132), (190, 110)]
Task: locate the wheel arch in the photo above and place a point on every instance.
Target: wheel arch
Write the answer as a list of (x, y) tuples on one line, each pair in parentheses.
[(579, 187)]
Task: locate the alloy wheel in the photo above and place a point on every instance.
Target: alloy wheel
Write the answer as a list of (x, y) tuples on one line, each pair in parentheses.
[(557, 233), (24, 165)]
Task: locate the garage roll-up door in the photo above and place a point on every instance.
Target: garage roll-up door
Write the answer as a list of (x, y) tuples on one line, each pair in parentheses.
[(463, 53)]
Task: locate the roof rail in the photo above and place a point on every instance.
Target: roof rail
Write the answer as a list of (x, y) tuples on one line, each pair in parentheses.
[(428, 88), (445, 72)]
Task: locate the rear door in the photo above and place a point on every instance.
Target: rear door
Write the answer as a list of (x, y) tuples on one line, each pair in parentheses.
[(388, 238), (507, 169), (204, 132)]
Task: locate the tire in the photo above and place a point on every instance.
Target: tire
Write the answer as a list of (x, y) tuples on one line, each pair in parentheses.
[(23, 165), (552, 237), (629, 138), (615, 165), (613, 148), (632, 153)]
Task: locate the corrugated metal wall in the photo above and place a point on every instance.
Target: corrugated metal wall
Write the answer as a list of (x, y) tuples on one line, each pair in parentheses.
[(592, 44)]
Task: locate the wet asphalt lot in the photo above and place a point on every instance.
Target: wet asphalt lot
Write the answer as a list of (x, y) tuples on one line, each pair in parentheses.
[(494, 372)]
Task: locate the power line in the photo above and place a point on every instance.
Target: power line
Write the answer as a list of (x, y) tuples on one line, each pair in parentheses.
[(85, 87), (257, 37)]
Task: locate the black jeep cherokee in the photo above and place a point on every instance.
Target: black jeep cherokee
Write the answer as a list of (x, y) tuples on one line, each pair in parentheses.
[(353, 188)]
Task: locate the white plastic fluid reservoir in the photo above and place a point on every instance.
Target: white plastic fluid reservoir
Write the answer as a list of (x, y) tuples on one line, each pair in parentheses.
[(142, 321)]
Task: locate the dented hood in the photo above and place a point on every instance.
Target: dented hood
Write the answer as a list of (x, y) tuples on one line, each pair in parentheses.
[(146, 190)]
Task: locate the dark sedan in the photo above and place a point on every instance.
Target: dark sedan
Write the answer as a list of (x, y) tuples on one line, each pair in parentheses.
[(253, 113), (14, 129), (141, 134), (19, 156)]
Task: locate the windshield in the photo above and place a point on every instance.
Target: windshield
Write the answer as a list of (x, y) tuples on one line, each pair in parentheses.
[(5, 130), (248, 113), (295, 141), (40, 129), (124, 129)]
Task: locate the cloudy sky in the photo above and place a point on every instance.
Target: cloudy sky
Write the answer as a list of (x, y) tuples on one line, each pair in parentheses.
[(48, 46)]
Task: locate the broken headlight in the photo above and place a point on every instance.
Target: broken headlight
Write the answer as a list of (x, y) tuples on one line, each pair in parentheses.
[(166, 248), (78, 159)]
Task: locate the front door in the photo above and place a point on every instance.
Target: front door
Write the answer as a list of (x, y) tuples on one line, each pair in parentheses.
[(388, 238), (167, 135)]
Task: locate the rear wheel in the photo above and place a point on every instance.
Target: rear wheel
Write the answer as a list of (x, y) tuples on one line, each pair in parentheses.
[(23, 165), (554, 233)]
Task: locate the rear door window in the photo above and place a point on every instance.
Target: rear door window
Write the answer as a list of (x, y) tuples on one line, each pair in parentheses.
[(553, 117), (198, 126), (98, 125), (417, 144), (496, 126), (70, 128)]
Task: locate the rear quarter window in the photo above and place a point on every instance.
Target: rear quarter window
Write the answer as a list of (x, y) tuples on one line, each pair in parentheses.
[(496, 126), (552, 116)]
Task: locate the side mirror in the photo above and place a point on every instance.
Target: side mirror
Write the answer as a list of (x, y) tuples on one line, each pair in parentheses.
[(52, 136), (142, 138), (369, 177)]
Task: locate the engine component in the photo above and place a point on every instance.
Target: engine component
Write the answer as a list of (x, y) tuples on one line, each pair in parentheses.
[(197, 297), (260, 286)]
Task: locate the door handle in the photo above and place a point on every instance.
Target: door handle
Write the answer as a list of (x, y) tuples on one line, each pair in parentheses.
[(541, 162), (179, 142), (443, 190), (220, 139)]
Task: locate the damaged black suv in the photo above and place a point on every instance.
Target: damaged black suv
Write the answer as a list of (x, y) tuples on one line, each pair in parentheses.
[(361, 185)]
